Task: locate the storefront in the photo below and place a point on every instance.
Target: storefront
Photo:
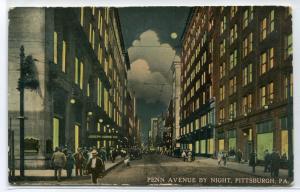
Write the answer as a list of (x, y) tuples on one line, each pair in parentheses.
[(221, 142), (265, 141), (232, 140)]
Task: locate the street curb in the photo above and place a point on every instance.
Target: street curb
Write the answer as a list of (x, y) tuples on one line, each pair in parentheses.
[(51, 178)]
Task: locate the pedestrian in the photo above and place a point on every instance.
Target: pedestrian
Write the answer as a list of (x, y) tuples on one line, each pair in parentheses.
[(224, 158), (103, 154), (69, 164), (267, 159), (95, 166), (108, 154), (219, 158), (183, 155), (58, 161), (189, 154), (252, 162), (79, 161), (114, 155), (239, 156), (275, 164)]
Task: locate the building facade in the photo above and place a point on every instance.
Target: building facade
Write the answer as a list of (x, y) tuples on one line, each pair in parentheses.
[(253, 65), (197, 99), (240, 60), (81, 66), (176, 76)]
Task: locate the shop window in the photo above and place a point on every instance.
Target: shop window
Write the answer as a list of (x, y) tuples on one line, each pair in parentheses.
[(284, 142), (221, 145), (55, 133), (264, 142), (203, 146), (210, 147), (197, 147)]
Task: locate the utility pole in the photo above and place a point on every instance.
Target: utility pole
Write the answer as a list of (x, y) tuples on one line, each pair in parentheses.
[(290, 129), (21, 89)]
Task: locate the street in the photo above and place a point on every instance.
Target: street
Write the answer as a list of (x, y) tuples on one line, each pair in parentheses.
[(163, 170)]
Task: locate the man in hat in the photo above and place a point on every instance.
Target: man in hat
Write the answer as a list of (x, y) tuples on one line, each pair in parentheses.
[(95, 166), (59, 161), (79, 160)]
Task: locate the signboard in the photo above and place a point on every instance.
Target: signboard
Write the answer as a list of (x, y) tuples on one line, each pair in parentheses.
[(97, 136)]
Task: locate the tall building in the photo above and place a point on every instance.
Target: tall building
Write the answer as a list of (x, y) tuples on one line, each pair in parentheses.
[(81, 67), (153, 131), (238, 62), (197, 99), (253, 74), (176, 76)]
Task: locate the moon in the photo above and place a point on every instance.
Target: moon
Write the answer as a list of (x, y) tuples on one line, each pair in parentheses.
[(173, 35)]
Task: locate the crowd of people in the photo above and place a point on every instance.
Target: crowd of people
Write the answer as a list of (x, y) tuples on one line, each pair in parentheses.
[(86, 161), (272, 162), (188, 155)]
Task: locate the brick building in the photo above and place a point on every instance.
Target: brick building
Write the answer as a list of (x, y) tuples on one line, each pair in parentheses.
[(242, 59)]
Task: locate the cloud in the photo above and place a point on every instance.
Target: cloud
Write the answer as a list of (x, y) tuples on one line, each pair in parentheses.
[(150, 67), (158, 55), (147, 84)]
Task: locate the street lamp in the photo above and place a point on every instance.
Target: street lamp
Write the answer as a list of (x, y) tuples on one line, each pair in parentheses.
[(90, 113), (101, 120), (72, 101)]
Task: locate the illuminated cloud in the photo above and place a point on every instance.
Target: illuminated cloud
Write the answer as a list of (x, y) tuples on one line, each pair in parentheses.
[(150, 67)]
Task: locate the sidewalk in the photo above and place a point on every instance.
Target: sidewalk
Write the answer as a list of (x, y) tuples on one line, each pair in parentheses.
[(241, 167), (49, 173)]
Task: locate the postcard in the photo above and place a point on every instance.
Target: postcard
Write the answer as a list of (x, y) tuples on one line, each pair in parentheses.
[(150, 96)]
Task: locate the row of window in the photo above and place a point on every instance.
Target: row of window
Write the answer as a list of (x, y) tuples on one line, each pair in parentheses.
[(194, 105), (198, 123)]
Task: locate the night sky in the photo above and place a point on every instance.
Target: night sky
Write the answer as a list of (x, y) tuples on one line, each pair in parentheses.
[(147, 36)]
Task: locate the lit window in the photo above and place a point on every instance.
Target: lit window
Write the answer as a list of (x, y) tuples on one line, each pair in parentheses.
[(223, 24), (222, 92), (233, 33), (222, 70), (81, 75), (222, 48), (288, 46), (288, 85), (81, 15), (267, 25), (247, 44), (271, 92), (88, 90), (63, 64), (233, 59), (250, 73), (263, 29), (272, 21), (263, 63), (232, 85), (244, 105), (222, 114), (263, 96), (93, 10), (90, 32), (76, 71), (245, 73), (271, 58), (245, 19), (232, 110), (249, 102), (233, 11), (55, 47)]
